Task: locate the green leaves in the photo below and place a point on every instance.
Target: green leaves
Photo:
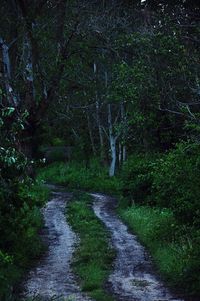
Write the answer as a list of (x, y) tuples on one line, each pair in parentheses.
[(8, 111), (176, 181), (10, 157)]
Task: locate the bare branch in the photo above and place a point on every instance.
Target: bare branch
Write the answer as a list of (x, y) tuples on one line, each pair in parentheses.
[(171, 111), (103, 128)]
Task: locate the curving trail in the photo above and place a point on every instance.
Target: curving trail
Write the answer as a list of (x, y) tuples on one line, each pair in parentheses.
[(133, 278), (53, 276)]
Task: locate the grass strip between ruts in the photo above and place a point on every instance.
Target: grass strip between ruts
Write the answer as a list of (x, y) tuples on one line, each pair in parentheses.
[(94, 255)]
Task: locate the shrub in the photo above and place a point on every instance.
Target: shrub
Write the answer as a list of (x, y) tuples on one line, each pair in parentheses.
[(20, 221), (170, 180), (176, 182), (137, 178)]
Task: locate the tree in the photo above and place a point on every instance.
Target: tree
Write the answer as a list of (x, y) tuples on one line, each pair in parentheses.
[(43, 35)]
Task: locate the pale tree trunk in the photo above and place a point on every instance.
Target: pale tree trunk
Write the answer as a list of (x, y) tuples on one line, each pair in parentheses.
[(124, 121), (90, 133), (27, 59), (6, 59), (120, 155), (112, 141), (124, 153), (5, 73), (100, 131), (113, 156), (98, 120)]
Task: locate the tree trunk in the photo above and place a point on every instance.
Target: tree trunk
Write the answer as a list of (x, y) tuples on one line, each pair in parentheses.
[(113, 156), (101, 139), (124, 123), (120, 156), (112, 141), (124, 153), (5, 74), (91, 134)]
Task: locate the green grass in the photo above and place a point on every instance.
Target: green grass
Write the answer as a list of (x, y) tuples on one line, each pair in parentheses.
[(35, 193), (77, 176), (172, 246), (94, 256)]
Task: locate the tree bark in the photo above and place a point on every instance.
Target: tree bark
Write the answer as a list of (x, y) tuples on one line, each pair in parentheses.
[(113, 156), (112, 141), (120, 155), (100, 131), (5, 74), (91, 134), (124, 153), (124, 125)]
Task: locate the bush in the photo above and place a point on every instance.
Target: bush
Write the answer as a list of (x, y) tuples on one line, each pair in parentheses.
[(20, 221), (171, 180), (176, 182), (137, 178)]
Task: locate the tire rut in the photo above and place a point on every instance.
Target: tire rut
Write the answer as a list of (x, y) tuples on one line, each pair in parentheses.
[(53, 277), (133, 277)]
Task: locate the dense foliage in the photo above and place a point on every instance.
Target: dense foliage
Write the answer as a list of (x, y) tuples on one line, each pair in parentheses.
[(20, 199), (170, 181)]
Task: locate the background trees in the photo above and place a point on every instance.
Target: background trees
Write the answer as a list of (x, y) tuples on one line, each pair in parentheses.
[(136, 59), (106, 58)]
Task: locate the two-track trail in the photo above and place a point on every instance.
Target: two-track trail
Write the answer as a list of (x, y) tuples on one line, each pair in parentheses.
[(133, 277)]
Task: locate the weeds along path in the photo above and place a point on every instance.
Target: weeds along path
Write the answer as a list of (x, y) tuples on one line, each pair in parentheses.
[(53, 276), (133, 278)]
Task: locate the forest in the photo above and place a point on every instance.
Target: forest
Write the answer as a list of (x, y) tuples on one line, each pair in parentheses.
[(100, 141)]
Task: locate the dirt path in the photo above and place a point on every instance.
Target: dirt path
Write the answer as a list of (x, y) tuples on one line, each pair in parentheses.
[(133, 278), (53, 275)]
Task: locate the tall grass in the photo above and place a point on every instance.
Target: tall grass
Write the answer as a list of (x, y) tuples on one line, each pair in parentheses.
[(172, 246), (75, 175), (94, 256)]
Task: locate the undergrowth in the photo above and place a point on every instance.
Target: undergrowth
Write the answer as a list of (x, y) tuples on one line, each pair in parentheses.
[(94, 256), (173, 246), (76, 176), (20, 242)]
